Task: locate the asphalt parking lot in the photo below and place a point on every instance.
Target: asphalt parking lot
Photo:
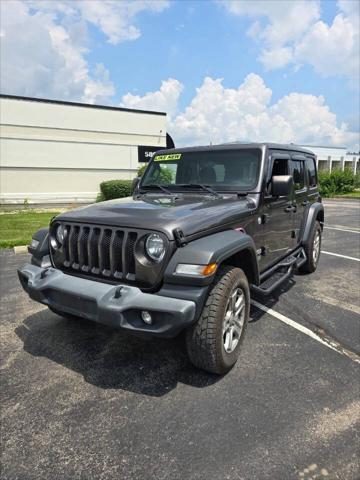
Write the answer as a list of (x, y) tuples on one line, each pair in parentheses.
[(81, 401)]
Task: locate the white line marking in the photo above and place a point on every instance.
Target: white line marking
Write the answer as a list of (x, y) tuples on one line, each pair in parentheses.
[(302, 329), (342, 204), (342, 229), (342, 256)]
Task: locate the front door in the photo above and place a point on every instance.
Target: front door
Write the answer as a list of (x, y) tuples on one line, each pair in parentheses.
[(277, 217)]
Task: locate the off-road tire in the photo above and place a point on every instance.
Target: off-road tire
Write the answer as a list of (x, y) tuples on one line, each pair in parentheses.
[(310, 265), (204, 340)]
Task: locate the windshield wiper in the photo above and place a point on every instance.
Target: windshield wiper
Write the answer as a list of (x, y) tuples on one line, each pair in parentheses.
[(154, 185), (207, 188)]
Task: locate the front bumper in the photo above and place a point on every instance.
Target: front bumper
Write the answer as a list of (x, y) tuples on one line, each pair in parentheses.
[(104, 303)]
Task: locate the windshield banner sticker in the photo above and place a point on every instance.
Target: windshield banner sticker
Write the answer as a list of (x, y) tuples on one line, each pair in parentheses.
[(172, 156)]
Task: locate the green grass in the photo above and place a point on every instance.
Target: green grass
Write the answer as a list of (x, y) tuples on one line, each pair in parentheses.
[(16, 228), (355, 194)]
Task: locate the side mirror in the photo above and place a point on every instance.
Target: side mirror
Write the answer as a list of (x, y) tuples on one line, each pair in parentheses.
[(281, 185), (135, 183)]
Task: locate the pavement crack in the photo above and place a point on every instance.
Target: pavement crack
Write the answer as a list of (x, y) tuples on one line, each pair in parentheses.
[(336, 344)]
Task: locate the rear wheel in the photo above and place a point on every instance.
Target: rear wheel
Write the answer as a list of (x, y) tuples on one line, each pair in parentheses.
[(213, 343), (312, 250)]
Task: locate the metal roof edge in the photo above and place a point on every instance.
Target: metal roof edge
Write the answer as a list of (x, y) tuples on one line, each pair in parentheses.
[(79, 104)]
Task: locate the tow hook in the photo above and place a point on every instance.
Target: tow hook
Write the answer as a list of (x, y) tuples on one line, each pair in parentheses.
[(118, 293), (43, 273)]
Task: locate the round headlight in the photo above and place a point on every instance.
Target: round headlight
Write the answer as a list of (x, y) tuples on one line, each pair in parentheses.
[(155, 247), (60, 234)]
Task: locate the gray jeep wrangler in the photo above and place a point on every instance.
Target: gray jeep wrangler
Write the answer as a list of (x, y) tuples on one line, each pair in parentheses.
[(205, 227)]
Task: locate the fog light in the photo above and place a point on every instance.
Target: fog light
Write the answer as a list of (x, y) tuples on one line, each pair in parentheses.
[(146, 316)]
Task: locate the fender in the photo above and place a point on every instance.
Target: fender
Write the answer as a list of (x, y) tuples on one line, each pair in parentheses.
[(215, 248), (40, 254), (315, 210)]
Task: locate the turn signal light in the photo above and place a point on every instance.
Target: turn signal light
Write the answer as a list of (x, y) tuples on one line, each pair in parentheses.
[(195, 270), (209, 269)]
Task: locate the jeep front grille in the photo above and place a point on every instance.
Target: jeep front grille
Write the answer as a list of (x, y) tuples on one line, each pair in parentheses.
[(98, 251)]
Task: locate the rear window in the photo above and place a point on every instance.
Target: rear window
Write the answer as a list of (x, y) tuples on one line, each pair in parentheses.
[(298, 174), (311, 171)]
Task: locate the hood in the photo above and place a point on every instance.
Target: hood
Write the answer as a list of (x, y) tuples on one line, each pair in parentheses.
[(190, 213)]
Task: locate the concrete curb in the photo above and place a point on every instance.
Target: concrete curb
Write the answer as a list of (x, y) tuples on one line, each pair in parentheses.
[(21, 249)]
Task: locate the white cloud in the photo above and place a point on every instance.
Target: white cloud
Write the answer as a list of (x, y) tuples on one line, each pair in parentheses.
[(276, 57), (217, 114), (332, 49), (44, 45), (116, 19), (285, 22), (294, 33), (165, 99)]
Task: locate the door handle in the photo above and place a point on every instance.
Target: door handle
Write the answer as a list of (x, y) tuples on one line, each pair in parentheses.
[(305, 202)]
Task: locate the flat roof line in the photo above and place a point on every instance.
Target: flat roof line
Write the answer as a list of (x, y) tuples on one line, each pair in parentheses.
[(79, 104), (321, 146)]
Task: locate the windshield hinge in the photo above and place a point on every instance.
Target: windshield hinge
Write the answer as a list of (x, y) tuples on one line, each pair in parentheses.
[(179, 237)]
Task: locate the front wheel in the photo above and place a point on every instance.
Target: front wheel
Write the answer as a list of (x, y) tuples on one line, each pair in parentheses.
[(213, 343)]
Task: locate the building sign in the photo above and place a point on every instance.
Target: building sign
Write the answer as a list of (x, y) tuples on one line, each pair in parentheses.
[(146, 153)]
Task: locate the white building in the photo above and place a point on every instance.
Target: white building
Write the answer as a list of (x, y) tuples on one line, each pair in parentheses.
[(59, 152), (329, 158)]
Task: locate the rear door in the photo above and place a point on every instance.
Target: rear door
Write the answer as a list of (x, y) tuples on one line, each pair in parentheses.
[(301, 201)]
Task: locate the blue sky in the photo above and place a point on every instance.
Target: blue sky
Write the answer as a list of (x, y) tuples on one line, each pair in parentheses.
[(289, 69), (192, 40)]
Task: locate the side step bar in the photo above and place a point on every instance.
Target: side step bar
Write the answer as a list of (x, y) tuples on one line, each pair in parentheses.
[(279, 273)]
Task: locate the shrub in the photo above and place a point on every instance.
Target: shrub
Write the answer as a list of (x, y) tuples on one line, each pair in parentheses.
[(141, 170), (337, 182), (357, 181), (100, 197), (165, 177), (114, 189)]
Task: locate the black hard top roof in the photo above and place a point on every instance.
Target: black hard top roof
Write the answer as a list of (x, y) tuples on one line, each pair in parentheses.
[(240, 146)]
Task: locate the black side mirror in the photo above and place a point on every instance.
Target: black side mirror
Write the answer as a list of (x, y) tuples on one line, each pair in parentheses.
[(281, 185), (135, 183)]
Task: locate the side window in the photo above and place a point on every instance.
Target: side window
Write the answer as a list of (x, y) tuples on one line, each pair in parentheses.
[(311, 172), (220, 172), (280, 167), (298, 174)]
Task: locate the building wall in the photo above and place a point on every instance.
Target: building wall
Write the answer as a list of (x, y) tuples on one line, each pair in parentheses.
[(352, 161), (55, 152), (329, 158)]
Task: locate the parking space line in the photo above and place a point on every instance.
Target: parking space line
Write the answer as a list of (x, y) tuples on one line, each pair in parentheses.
[(342, 229), (301, 328), (342, 256), (343, 204)]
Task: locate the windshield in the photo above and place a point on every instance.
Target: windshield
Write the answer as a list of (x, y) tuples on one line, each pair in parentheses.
[(227, 170)]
